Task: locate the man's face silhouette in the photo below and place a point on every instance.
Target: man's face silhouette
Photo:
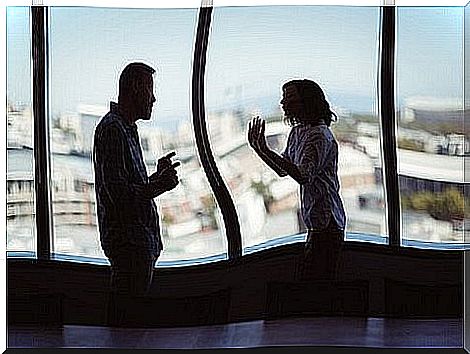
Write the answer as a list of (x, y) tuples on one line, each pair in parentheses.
[(291, 102), (145, 98)]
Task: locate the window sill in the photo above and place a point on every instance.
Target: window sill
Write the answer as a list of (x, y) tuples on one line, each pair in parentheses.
[(351, 238)]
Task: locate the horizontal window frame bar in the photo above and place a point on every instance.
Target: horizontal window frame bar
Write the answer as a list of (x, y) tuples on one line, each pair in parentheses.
[(351, 244)]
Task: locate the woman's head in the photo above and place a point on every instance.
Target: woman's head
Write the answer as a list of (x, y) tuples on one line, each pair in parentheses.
[(304, 102)]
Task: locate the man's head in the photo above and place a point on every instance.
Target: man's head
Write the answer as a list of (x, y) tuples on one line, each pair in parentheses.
[(303, 101), (136, 90)]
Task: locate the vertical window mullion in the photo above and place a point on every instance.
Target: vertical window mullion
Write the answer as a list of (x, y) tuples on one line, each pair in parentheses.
[(388, 121), (221, 193), (39, 20)]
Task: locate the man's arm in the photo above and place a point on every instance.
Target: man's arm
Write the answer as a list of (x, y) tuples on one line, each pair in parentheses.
[(111, 165)]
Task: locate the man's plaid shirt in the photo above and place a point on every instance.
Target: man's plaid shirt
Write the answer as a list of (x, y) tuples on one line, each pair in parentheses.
[(127, 217)]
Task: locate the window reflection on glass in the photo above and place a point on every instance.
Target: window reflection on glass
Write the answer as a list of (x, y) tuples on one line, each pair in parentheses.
[(252, 52), (431, 138), (89, 48), (21, 232)]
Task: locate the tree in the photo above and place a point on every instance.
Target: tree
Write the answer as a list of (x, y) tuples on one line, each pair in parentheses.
[(422, 201), (366, 118), (448, 205), (409, 144), (405, 202)]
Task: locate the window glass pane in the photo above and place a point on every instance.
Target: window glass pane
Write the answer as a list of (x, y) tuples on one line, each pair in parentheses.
[(431, 138), (252, 52), (20, 167), (89, 49)]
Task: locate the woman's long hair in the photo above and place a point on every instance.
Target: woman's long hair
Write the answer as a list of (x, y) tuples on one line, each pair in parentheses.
[(316, 107)]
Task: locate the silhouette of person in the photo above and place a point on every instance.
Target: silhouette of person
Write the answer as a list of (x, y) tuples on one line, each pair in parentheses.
[(127, 215), (311, 159)]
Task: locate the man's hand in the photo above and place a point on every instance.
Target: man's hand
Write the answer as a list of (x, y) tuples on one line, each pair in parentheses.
[(256, 137), (166, 177), (165, 161)]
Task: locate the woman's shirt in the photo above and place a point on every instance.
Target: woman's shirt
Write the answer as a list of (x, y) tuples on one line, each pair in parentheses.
[(314, 150)]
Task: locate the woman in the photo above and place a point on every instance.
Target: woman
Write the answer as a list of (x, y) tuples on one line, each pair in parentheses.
[(311, 159)]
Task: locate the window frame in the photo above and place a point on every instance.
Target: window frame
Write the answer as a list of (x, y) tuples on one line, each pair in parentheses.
[(42, 164), (388, 131)]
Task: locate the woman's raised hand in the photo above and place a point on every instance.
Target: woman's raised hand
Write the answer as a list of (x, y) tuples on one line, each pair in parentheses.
[(256, 137)]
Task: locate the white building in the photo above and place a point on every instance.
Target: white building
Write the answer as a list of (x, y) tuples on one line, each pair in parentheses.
[(431, 143), (431, 166), (19, 127), (457, 144), (432, 109), (222, 128), (151, 141), (89, 116)]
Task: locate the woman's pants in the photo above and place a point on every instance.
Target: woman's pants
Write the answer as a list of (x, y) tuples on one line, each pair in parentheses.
[(322, 253)]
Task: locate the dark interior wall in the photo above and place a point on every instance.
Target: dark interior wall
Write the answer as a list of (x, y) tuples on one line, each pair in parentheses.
[(408, 282)]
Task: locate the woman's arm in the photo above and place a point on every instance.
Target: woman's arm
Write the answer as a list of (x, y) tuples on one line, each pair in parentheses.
[(271, 158), (278, 163)]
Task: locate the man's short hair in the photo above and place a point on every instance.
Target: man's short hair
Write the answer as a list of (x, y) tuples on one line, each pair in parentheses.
[(132, 77)]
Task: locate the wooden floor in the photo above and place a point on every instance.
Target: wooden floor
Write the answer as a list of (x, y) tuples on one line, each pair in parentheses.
[(317, 331)]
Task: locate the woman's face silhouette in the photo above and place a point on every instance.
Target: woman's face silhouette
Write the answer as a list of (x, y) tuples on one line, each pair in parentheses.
[(291, 102)]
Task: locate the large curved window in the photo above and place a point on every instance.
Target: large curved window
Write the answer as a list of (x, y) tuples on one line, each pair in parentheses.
[(252, 52), (21, 234), (89, 48), (432, 140)]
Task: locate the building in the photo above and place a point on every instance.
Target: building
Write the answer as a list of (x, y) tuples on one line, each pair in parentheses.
[(19, 126), (152, 140), (355, 168), (420, 171), (432, 110), (222, 127), (457, 144), (89, 116)]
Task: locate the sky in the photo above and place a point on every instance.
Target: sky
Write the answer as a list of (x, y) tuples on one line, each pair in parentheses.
[(251, 52)]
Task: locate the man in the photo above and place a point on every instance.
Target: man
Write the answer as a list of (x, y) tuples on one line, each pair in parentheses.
[(127, 215)]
